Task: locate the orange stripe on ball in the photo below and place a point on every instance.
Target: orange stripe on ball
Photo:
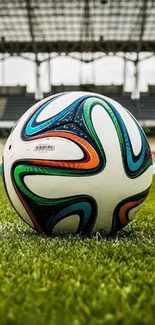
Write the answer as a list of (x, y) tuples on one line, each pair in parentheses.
[(128, 206)]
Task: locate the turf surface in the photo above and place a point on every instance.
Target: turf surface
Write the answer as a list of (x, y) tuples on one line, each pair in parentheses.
[(72, 281)]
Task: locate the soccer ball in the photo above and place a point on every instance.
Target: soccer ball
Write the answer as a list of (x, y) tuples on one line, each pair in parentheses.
[(77, 163)]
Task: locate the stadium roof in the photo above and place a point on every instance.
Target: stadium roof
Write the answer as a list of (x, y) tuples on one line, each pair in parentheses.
[(77, 26)]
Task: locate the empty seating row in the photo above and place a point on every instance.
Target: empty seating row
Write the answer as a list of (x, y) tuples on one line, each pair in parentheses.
[(12, 106)]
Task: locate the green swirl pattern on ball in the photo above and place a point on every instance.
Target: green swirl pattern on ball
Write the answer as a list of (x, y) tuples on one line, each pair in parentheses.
[(134, 166), (22, 170), (58, 208)]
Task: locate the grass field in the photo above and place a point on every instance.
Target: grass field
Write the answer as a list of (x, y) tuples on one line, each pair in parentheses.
[(72, 281)]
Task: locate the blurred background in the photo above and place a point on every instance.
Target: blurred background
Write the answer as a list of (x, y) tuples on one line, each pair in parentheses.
[(104, 46)]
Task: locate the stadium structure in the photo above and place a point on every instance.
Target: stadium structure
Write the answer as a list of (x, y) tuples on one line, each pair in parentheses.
[(86, 30), (72, 280)]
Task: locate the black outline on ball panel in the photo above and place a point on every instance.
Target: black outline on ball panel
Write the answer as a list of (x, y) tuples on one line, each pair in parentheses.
[(39, 210), (11, 202), (116, 222)]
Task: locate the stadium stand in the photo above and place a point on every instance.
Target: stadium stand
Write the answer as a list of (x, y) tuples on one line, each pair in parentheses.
[(16, 105), (14, 101), (2, 106), (91, 29)]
